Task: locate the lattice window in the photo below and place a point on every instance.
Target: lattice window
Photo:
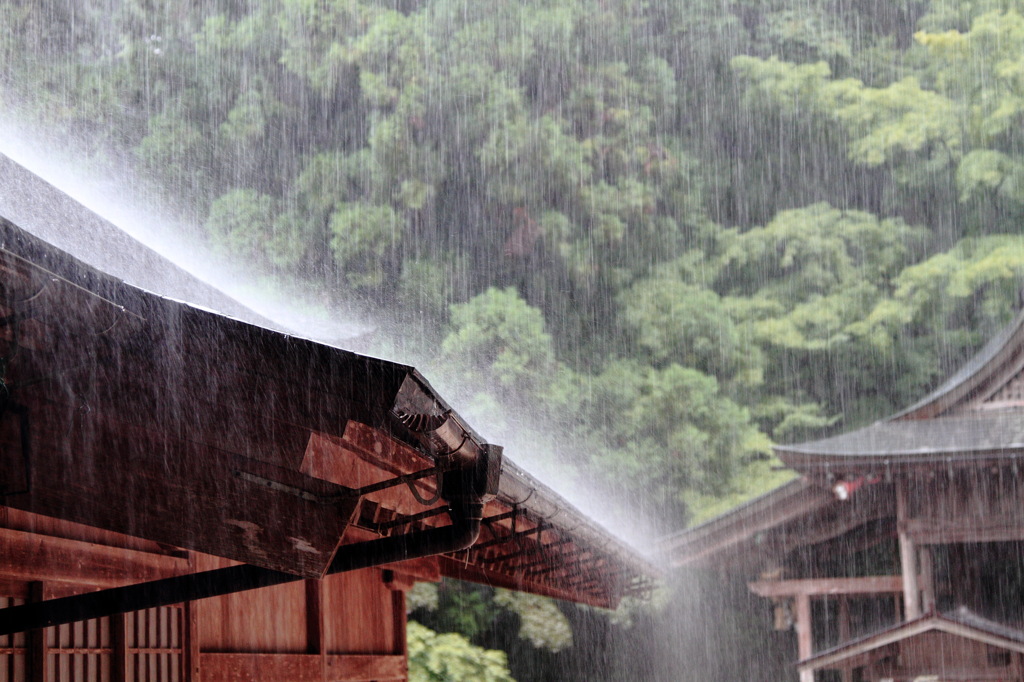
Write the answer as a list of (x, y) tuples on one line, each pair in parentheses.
[(149, 647), (79, 651), (13, 650), (154, 641)]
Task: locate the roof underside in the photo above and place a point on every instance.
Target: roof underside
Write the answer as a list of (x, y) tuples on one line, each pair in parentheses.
[(798, 514)]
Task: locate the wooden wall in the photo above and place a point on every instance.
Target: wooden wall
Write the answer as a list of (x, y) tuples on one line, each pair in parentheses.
[(969, 505), (942, 656), (349, 626)]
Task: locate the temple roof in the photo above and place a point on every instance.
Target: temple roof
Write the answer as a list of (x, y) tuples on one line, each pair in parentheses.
[(138, 413), (887, 644), (976, 416), (964, 437)]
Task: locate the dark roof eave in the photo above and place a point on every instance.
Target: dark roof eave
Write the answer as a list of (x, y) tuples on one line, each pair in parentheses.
[(373, 384), (971, 437), (815, 463), (744, 522)]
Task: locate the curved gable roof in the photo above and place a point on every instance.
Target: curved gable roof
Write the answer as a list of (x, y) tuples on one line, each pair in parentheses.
[(977, 415), (961, 623), (999, 360)]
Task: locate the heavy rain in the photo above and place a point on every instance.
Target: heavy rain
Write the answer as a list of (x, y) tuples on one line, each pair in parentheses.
[(715, 310)]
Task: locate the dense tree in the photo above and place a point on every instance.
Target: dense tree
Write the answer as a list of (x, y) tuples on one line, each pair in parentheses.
[(452, 658)]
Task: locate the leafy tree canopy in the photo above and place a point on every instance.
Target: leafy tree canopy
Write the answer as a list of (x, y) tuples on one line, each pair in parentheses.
[(450, 657)]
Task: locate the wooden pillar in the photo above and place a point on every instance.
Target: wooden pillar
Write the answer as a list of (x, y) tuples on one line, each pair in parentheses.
[(804, 634), (119, 659), (399, 622), (846, 675), (315, 623), (190, 643), (924, 556), (38, 650), (908, 556)]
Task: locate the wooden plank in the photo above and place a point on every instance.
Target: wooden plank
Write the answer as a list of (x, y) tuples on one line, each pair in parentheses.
[(188, 355), (98, 470), (971, 633), (374, 447), (17, 519), (804, 633), (190, 644), (901, 641), (269, 619), (12, 587), (854, 660), (545, 585), (878, 584), (969, 529), (948, 673), (195, 400), (355, 668), (29, 556), (322, 387), (260, 667), (302, 667), (365, 458), (239, 426), (358, 618)]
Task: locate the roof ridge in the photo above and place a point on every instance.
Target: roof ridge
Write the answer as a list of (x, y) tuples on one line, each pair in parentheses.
[(971, 376)]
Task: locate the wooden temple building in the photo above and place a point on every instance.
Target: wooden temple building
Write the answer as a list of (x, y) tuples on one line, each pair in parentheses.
[(898, 551), (188, 496)]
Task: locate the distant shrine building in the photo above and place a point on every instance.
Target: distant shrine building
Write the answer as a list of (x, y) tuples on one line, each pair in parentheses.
[(898, 553), (186, 496)]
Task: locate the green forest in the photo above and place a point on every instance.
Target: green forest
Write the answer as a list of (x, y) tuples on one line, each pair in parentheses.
[(672, 232)]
